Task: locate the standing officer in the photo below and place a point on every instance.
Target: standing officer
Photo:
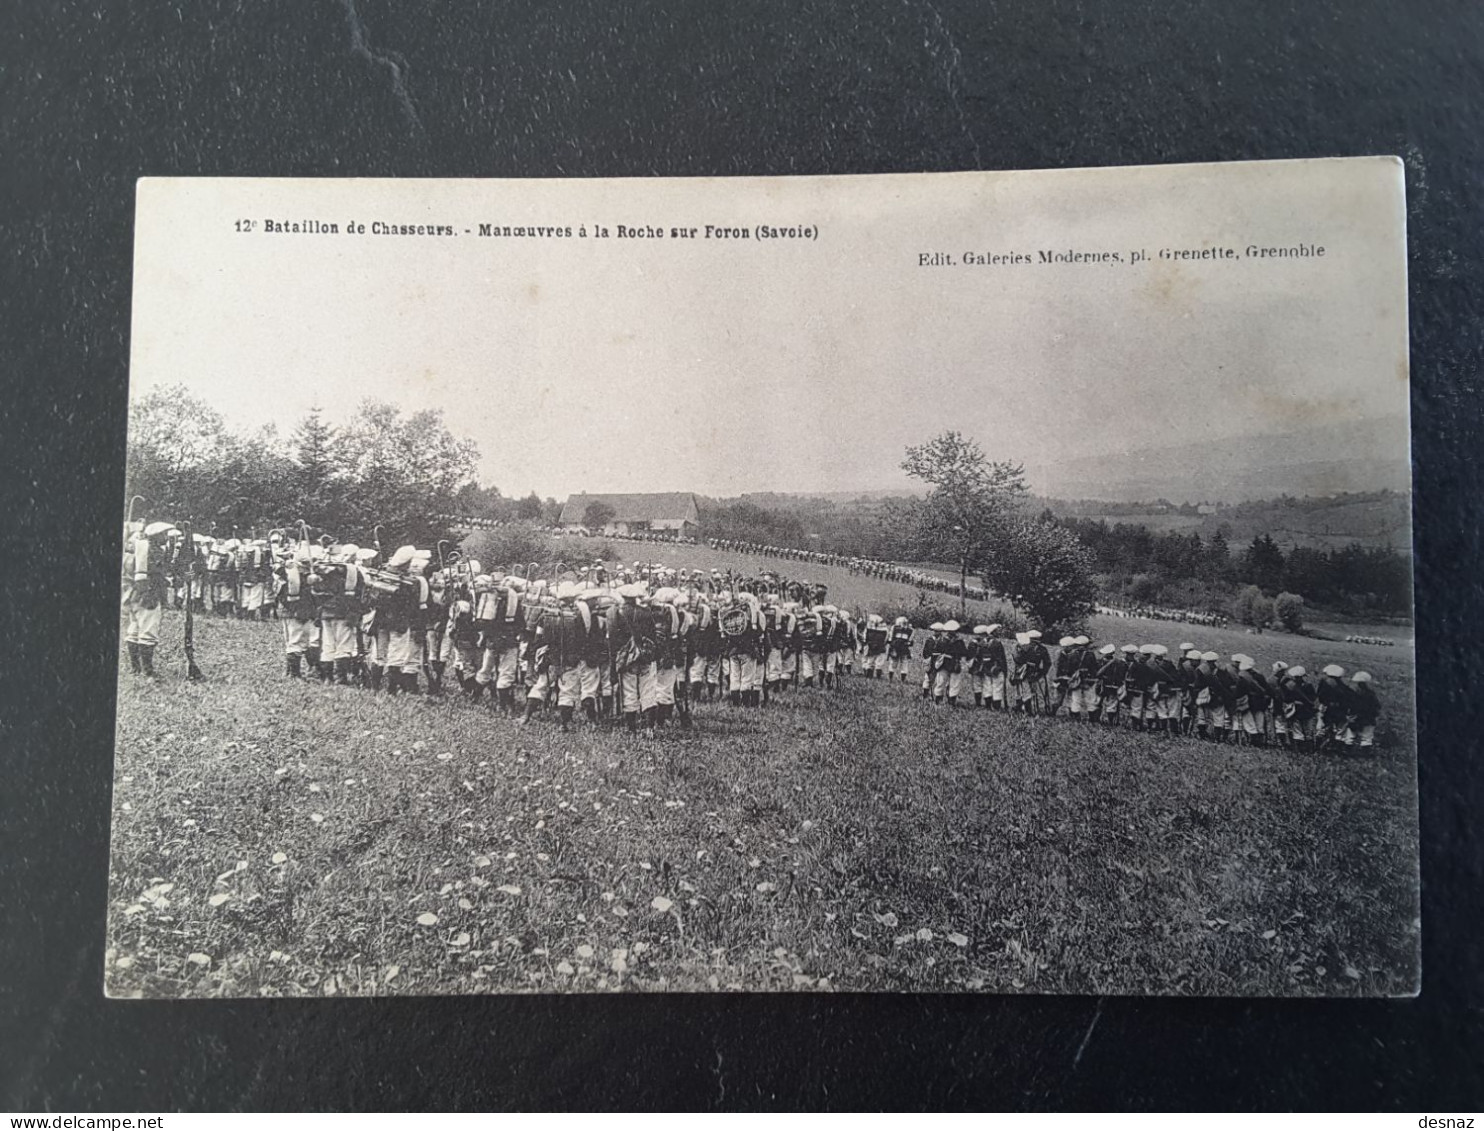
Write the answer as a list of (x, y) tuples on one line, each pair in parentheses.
[(146, 586), (899, 649)]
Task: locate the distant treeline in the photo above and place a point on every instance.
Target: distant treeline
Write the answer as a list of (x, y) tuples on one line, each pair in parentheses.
[(1135, 564), (1187, 570)]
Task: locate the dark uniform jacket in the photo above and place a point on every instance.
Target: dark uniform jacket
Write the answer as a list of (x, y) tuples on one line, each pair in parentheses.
[(631, 636), (1299, 701), (1334, 700), (901, 641), (294, 596), (1111, 676), (337, 589), (1365, 708), (561, 637)]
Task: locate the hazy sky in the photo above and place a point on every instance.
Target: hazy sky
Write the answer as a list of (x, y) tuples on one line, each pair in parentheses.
[(730, 366)]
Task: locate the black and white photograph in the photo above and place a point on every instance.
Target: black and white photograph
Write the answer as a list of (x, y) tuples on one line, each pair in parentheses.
[(991, 582)]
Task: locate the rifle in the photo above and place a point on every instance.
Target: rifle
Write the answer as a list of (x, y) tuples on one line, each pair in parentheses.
[(189, 646)]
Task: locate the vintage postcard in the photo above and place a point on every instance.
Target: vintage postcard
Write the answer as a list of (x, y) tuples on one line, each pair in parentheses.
[(990, 582)]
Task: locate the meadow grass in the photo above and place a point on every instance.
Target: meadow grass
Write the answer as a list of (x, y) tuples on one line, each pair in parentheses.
[(274, 836)]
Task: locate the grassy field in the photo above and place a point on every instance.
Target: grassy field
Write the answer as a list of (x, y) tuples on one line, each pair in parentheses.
[(280, 837)]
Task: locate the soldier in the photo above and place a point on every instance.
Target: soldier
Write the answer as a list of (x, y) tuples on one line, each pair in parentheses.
[(1277, 705), (595, 669), (1162, 703), (777, 630), (294, 597), (337, 590), (705, 664), (499, 616), (404, 612), (1032, 663), (899, 649), (954, 652), (253, 563), (826, 643), (1190, 666), (1068, 660), (1365, 711), (1299, 707), (1252, 703), (145, 586), (558, 643), (1083, 685), (847, 642), (996, 670), (672, 625), (631, 643), (436, 645), (976, 652), (462, 633), (224, 593), (1112, 676), (1334, 706), (930, 662), (743, 638)]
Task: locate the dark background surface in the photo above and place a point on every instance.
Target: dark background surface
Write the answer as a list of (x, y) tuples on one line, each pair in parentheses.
[(93, 97)]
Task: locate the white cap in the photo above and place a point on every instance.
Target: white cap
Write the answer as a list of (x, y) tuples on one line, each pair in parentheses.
[(937, 626), (995, 628), (1082, 640), (402, 558), (1193, 654), (1022, 637), (1186, 647), (1245, 665), (1034, 634), (1147, 649), (950, 626), (1158, 650), (899, 620), (1210, 657), (1107, 650), (665, 595), (633, 590), (1298, 670), (1334, 670), (1130, 649), (1066, 642), (1361, 677), (1278, 666)]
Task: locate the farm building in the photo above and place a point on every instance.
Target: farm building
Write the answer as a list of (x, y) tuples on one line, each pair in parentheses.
[(674, 512)]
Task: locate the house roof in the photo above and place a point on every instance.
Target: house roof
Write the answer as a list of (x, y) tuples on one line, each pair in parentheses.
[(669, 505)]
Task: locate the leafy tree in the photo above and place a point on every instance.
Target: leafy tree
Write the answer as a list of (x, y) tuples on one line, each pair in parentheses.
[(509, 547), (1243, 605), (597, 514), (1262, 612), (403, 472), (972, 501), (175, 451), (1042, 568), (529, 508), (1289, 608)]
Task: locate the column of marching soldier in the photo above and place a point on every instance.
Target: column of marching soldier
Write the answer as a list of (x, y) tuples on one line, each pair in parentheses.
[(644, 644)]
